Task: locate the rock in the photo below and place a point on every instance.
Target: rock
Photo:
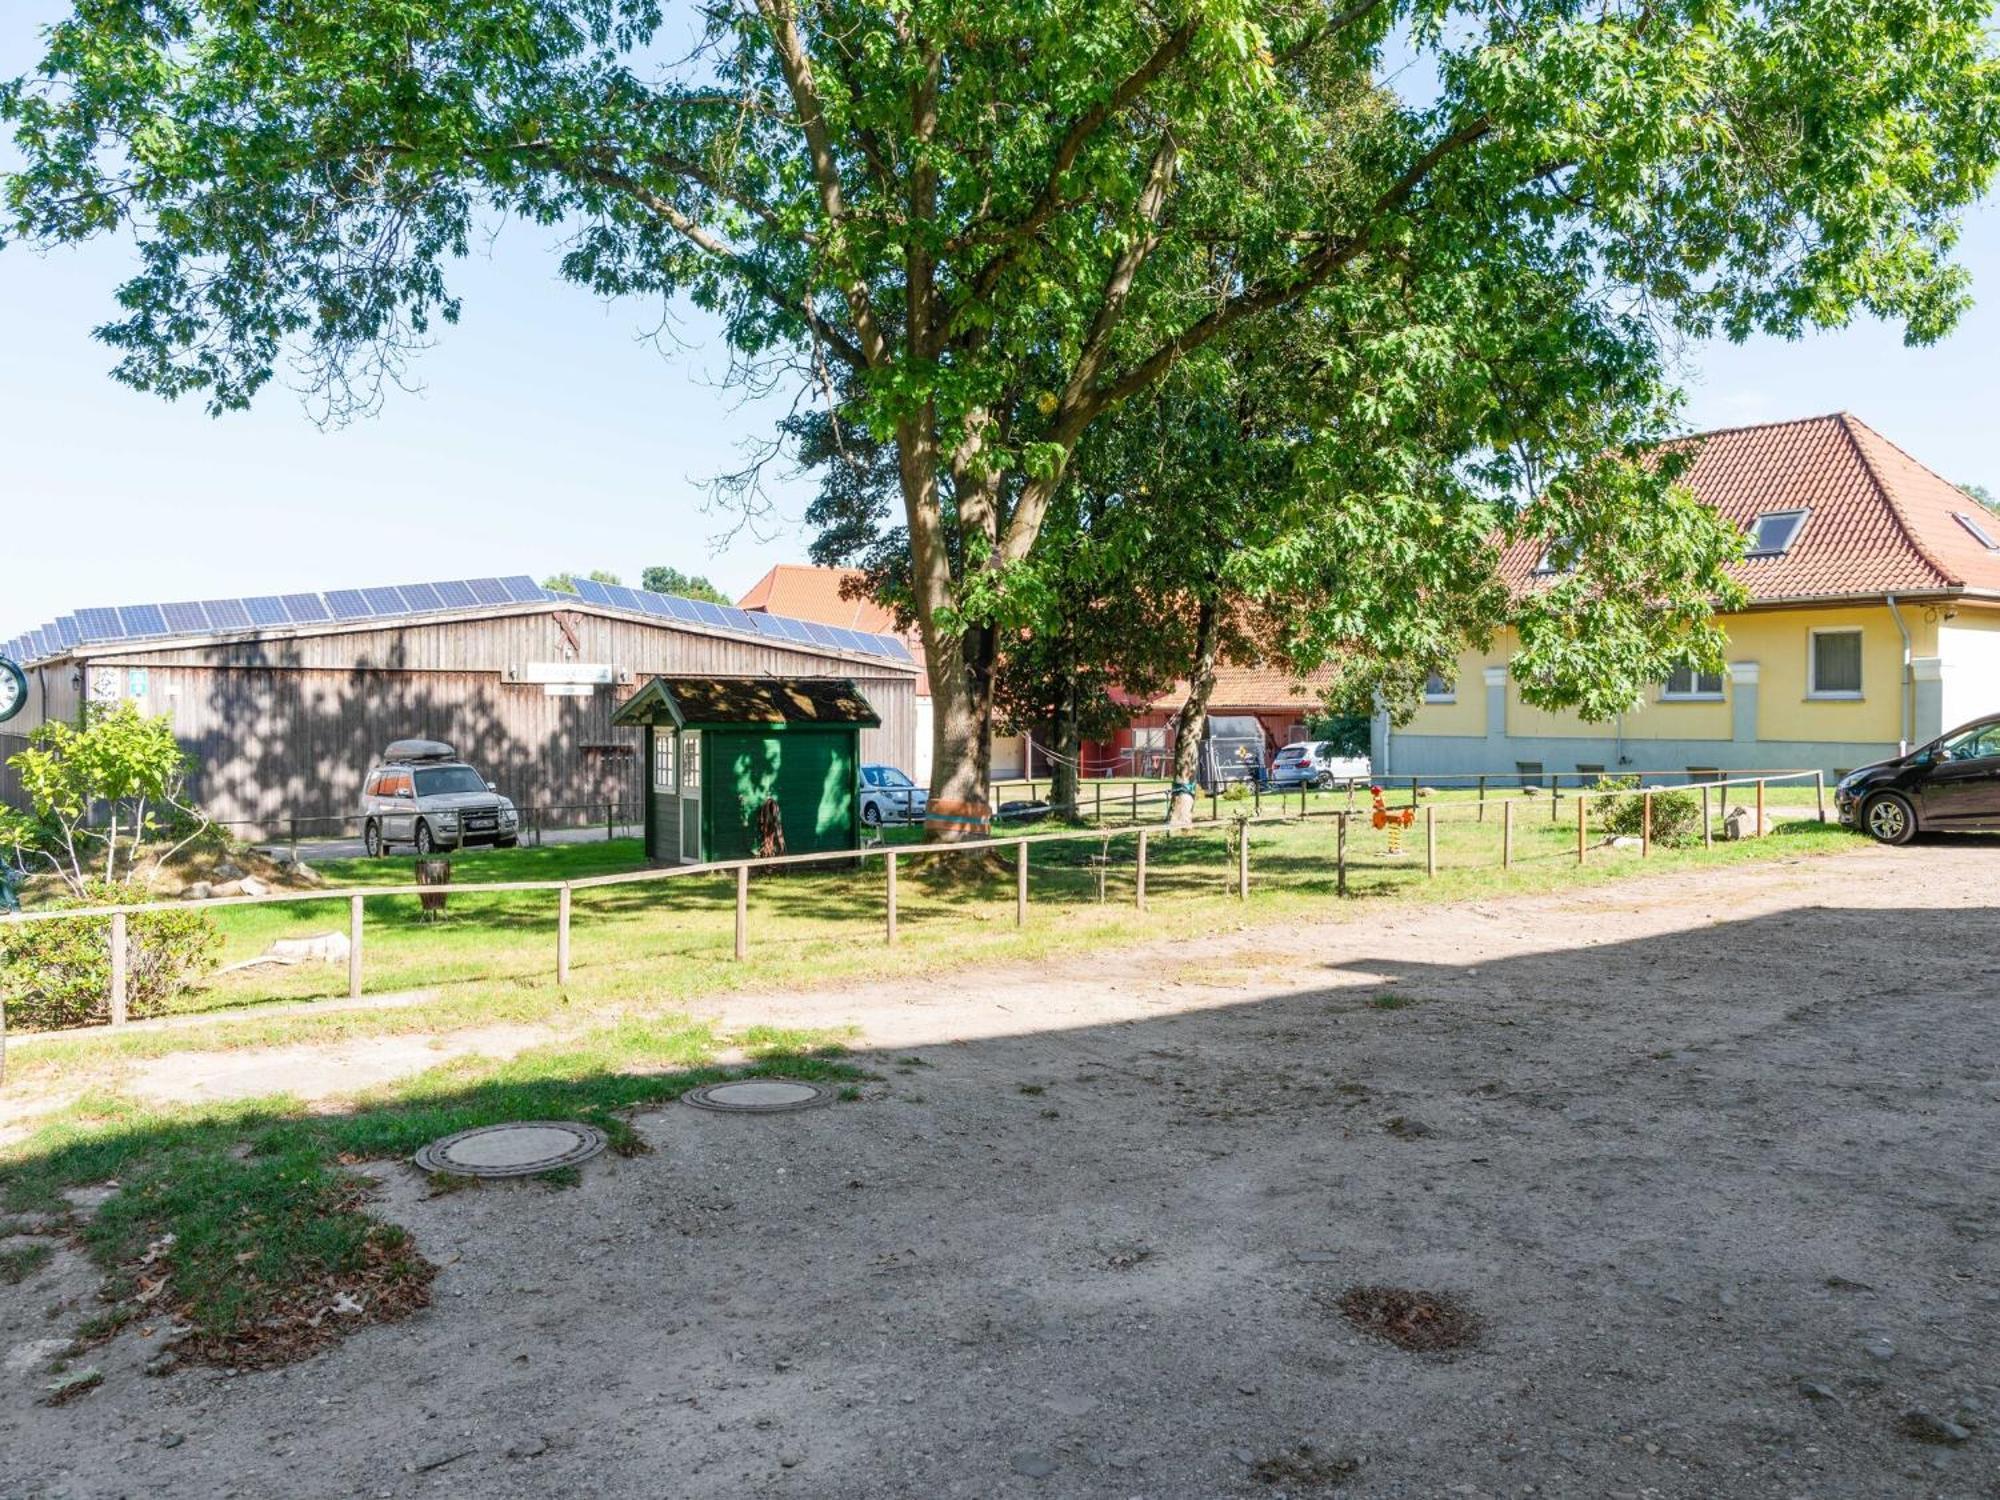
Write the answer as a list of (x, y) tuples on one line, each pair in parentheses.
[(1926, 1427), (1879, 1349), (201, 890), (172, 1439), (790, 1460), (1624, 841), (1814, 1390), (326, 947), (533, 1447), (227, 870), (1034, 1465), (228, 888), (306, 874), (252, 886), (163, 1363)]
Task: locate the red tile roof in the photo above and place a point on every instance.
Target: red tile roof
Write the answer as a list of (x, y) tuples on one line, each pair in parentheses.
[(1878, 521), (1239, 688), (808, 593)]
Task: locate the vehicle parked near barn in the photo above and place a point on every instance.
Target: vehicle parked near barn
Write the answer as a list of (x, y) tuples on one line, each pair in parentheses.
[(423, 795), (890, 796), (1232, 750), (1951, 785), (1316, 763)]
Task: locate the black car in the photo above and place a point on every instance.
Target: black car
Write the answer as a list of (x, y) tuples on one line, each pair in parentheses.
[(1951, 785)]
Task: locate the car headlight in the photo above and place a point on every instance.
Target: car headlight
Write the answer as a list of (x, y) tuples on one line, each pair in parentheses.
[(508, 815), (447, 817)]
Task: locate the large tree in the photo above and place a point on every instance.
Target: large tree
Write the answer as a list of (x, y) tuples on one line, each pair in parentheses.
[(948, 202)]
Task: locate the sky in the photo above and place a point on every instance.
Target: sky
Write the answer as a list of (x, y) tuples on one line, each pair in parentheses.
[(552, 431)]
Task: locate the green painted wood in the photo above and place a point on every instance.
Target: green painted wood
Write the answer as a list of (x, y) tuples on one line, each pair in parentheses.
[(813, 776)]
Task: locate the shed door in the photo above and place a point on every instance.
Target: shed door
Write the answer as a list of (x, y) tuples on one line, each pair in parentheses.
[(690, 804), (663, 788), (811, 775)]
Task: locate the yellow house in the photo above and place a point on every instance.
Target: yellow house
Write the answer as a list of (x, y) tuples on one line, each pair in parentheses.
[(1873, 625)]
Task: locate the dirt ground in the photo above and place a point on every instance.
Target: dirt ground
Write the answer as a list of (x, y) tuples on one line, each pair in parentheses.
[(1712, 1158)]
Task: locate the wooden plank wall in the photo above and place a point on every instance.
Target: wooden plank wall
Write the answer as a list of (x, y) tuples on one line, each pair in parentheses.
[(287, 728)]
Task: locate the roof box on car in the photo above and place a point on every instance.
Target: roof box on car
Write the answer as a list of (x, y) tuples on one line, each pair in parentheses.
[(414, 750)]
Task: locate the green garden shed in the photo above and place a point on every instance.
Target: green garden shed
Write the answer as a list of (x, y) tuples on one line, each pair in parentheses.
[(717, 747)]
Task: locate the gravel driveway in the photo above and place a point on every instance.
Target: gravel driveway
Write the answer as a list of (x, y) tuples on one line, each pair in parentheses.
[(1712, 1158)]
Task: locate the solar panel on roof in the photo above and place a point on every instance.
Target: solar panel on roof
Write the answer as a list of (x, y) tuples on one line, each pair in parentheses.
[(683, 609), (893, 648), (622, 597), (186, 618), (737, 619), (455, 594), (38, 643), (267, 609), (819, 633), (346, 604), (66, 631), (652, 603), (487, 590), (523, 590), (794, 630), (591, 591), (100, 624), (419, 598), (305, 609), (226, 614), (707, 613), (384, 601), (764, 625), (142, 619)]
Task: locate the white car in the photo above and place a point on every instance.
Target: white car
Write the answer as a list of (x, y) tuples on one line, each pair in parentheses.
[(1313, 763), (888, 796)]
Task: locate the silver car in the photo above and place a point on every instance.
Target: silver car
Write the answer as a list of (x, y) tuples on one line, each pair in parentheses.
[(889, 796), (424, 796)]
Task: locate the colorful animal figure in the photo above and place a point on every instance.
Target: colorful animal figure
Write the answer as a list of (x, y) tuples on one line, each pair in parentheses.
[(1391, 819)]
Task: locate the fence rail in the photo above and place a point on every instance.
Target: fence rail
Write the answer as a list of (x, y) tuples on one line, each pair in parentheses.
[(893, 856)]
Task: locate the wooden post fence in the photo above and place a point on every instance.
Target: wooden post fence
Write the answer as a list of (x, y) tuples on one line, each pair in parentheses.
[(742, 912), (1139, 874), (1707, 828), (1581, 801), (1340, 857), (1482, 799), (1506, 835), (1021, 884), (563, 933), (1097, 800), (1242, 860), (1135, 802), (1819, 793), (1760, 807), (354, 904), (118, 1009), (1430, 841), (1645, 825), (889, 863)]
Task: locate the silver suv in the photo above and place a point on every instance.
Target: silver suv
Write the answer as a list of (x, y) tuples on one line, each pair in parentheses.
[(425, 796)]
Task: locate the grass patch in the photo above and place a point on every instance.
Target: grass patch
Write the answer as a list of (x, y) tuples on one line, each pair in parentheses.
[(1389, 1000), (16, 1266), (248, 1221)]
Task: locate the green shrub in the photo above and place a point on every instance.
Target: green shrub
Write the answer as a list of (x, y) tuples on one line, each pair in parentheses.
[(58, 974), (1676, 815)]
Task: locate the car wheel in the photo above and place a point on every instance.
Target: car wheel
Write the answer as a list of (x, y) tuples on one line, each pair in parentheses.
[(1889, 819), (371, 839), (1324, 781), (506, 843), (871, 814), (425, 843)]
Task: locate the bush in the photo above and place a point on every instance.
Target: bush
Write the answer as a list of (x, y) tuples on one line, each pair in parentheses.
[(58, 974), (1676, 815)]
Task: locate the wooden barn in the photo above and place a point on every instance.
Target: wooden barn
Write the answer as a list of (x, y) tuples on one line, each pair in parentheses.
[(286, 700)]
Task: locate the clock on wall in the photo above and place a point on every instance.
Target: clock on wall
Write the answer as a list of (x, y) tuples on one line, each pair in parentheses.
[(13, 690)]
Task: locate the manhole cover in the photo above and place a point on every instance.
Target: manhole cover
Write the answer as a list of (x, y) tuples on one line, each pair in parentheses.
[(512, 1150), (759, 1096)]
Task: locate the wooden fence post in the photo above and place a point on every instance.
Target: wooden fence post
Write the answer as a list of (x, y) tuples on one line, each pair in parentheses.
[(1555, 789), (1139, 875), (1645, 825), (1340, 856), (1506, 835), (1760, 807), (1581, 802), (1707, 828), (1819, 793), (1482, 799), (562, 934), (1413, 791), (1135, 800), (1021, 884), (1242, 861), (1431, 841), (118, 968), (354, 905), (742, 912), (1097, 798), (889, 861)]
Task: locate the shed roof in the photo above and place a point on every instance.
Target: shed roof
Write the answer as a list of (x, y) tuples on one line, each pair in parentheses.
[(704, 702)]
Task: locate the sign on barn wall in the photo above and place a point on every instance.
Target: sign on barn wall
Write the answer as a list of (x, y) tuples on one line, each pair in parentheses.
[(568, 689), (595, 674)]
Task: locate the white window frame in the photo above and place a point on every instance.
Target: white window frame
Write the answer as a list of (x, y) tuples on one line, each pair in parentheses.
[(1449, 693), (1977, 527), (1835, 695), (1696, 693), (1801, 515), (690, 764), (666, 775)]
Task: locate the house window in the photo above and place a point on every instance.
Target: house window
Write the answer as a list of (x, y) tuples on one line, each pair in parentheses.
[(1836, 664), (1548, 564), (1978, 530), (663, 761), (1685, 682), (690, 764), (1530, 772), (1438, 690), (1772, 534)]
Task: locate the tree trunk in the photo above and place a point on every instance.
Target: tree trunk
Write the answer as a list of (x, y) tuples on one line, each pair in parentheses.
[(961, 739), (1192, 720), (1065, 789)]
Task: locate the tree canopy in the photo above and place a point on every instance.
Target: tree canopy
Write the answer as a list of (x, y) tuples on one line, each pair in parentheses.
[(664, 580), (998, 224)]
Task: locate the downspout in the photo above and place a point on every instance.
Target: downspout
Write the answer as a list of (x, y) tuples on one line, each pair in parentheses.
[(1905, 728)]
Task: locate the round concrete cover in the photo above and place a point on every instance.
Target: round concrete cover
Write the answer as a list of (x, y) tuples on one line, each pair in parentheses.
[(759, 1096), (512, 1150)]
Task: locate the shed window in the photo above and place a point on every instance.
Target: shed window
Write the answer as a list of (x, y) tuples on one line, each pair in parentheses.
[(690, 763), (1686, 682), (1772, 535), (663, 761), (1978, 529), (1836, 664), (1438, 690)]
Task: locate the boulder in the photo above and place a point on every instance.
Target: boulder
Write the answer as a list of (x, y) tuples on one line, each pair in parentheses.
[(227, 888), (250, 885), (201, 890), (228, 870)]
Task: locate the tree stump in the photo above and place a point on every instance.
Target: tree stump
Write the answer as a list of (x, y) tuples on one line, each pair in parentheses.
[(433, 872)]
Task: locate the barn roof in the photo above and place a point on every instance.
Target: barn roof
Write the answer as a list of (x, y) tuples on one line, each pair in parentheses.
[(704, 702), (107, 628)]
